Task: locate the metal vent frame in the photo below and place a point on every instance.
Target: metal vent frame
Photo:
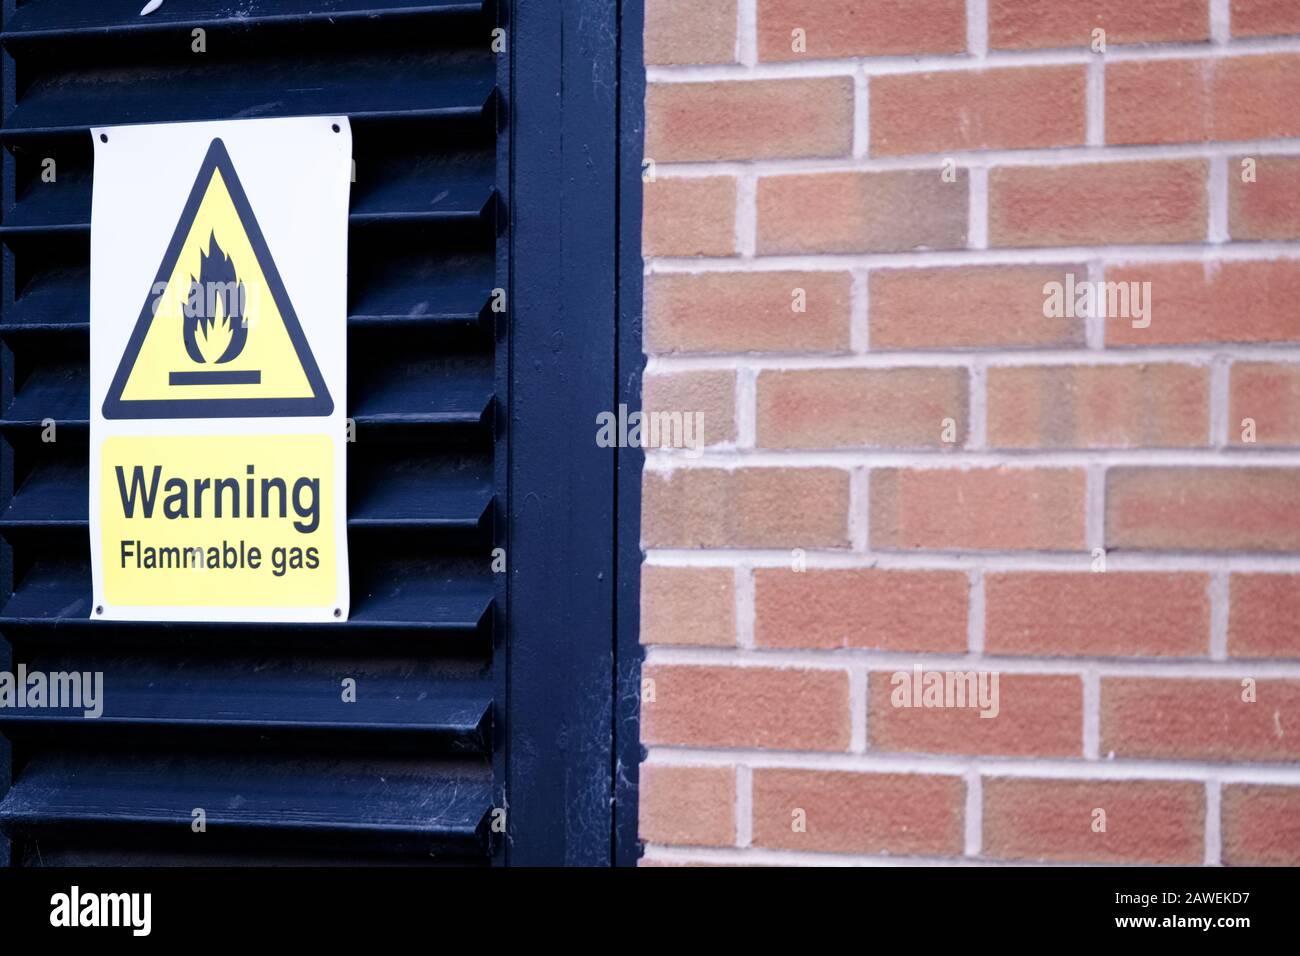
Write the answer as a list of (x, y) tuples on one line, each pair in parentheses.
[(554, 711)]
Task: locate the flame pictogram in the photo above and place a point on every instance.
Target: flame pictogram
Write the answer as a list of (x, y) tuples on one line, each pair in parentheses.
[(215, 326)]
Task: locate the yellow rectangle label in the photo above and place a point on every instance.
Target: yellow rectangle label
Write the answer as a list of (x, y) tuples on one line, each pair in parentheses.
[(218, 521)]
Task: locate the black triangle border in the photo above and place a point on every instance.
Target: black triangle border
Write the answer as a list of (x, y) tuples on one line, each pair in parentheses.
[(319, 404)]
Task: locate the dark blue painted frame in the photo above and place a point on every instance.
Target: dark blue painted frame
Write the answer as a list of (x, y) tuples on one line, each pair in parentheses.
[(574, 662)]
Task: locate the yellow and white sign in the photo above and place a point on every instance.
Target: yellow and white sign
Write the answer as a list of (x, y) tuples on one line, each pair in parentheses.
[(218, 484)]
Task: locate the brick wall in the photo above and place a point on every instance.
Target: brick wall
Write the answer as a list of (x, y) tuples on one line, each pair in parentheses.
[(849, 252)]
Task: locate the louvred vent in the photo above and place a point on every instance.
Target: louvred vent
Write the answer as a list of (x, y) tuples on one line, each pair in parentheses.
[(248, 723)]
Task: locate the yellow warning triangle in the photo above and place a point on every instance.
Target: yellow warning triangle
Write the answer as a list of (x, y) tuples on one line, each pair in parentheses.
[(217, 337)]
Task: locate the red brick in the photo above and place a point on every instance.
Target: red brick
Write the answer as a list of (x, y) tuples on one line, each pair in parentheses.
[(747, 312), (688, 606), (746, 508), (862, 407), (845, 28), (1203, 509), (708, 394), (767, 707), (862, 212), (689, 217), (749, 119), (863, 607), (1268, 393), (688, 805), (1098, 203), (1098, 406), (1261, 825), (1264, 620), (1176, 101), (1254, 18), (985, 508), (1268, 207), (1018, 108), (1147, 821), (1199, 719), (687, 31), (968, 307), (894, 813), (1035, 715), (1023, 24), (1110, 614), (1194, 302)]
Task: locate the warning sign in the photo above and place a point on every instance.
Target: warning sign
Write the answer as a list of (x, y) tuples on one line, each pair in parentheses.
[(215, 368), (218, 364)]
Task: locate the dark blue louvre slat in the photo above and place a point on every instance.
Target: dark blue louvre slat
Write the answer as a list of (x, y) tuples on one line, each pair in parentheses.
[(45, 204), (419, 499), (422, 393), (430, 292), (59, 19), (443, 716), (59, 392), (435, 806), (423, 196), (59, 297), (401, 597), (455, 108), (54, 494), (408, 494), (17, 228), (62, 393), (405, 596), (452, 185), (461, 87), (423, 289), (56, 851)]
